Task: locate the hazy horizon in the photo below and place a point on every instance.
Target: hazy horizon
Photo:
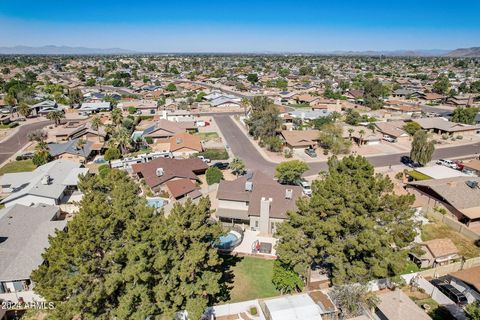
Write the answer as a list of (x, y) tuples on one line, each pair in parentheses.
[(232, 27)]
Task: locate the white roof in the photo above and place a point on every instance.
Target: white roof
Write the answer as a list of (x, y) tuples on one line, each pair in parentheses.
[(72, 178), (300, 307), (440, 172)]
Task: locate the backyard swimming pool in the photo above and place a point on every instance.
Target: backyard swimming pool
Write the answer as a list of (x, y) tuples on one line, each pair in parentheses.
[(229, 240), (156, 203)]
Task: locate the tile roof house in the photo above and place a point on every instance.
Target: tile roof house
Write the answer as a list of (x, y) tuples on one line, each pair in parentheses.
[(181, 188), (301, 138), (162, 129), (441, 125), (460, 195), (158, 171), (393, 129), (436, 252), (24, 232), (47, 184), (257, 200), (183, 144)]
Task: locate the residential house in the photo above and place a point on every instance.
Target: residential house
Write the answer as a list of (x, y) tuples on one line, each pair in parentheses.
[(162, 129), (436, 252), (78, 130), (45, 107), (393, 129), (440, 125), (297, 307), (310, 115), (296, 139), (467, 281), (432, 97), (459, 195), (225, 102), (47, 184), (145, 107), (184, 145), (177, 115), (362, 135), (89, 108), (161, 170), (71, 150), (354, 94), (24, 233), (257, 201), (396, 305), (181, 188)]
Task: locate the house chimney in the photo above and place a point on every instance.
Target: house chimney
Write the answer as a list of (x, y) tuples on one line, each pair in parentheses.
[(45, 180), (288, 194), (248, 186), (159, 172), (264, 223)]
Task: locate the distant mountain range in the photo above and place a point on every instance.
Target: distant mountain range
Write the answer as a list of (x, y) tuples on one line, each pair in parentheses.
[(465, 52), (65, 50)]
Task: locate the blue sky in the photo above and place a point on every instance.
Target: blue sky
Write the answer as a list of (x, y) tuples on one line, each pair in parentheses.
[(242, 26)]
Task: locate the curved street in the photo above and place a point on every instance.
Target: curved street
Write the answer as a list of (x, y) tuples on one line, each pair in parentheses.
[(243, 148), (19, 139)]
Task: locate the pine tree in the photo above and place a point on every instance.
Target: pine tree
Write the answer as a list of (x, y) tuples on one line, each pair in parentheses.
[(353, 225)]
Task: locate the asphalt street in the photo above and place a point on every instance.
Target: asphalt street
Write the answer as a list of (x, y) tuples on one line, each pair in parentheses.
[(19, 139), (243, 148)]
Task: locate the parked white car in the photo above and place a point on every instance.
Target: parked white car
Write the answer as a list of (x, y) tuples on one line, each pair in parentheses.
[(447, 163), (206, 160), (389, 139), (307, 190)]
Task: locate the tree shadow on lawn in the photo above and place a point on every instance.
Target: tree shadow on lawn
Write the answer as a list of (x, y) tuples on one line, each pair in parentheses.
[(226, 282)]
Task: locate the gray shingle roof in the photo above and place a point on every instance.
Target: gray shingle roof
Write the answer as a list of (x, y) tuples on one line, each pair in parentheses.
[(32, 184), (24, 232), (70, 147)]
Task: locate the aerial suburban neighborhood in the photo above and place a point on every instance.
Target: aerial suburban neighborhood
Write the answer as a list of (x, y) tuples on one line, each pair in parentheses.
[(273, 184)]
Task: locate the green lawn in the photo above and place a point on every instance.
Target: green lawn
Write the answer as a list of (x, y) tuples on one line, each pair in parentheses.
[(410, 267), (17, 166), (438, 230), (252, 279), (207, 135)]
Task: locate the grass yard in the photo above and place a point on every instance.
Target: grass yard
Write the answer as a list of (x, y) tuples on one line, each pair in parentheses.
[(17, 166), (410, 267), (252, 279), (206, 136), (437, 230)]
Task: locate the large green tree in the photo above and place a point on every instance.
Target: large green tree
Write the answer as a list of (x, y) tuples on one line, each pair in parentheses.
[(353, 225), (119, 259), (465, 115), (289, 172), (264, 120), (441, 85), (331, 138), (422, 147)]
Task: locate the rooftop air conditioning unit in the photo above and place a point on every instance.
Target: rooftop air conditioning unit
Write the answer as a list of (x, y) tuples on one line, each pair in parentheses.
[(248, 186), (288, 194), (159, 172), (45, 180)]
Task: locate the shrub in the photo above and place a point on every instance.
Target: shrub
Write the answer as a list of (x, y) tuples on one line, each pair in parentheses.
[(213, 175), (103, 170), (445, 136), (273, 143), (131, 110), (399, 175), (149, 140), (253, 311), (112, 154), (459, 137)]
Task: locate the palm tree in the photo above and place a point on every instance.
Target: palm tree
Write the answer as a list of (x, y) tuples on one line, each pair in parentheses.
[(96, 124), (80, 144), (121, 138), (245, 103), (237, 166), (23, 109), (361, 133), (56, 116), (117, 116)]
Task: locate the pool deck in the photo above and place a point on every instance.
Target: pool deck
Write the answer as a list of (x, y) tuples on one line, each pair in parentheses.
[(249, 237)]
